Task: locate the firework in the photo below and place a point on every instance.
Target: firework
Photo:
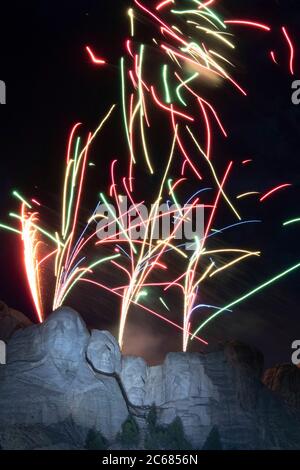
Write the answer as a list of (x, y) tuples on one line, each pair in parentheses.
[(196, 48)]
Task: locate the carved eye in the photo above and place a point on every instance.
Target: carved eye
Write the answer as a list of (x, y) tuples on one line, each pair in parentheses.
[(51, 325), (68, 325)]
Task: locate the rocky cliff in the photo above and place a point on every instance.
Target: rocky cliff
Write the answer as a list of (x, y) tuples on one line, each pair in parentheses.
[(10, 321), (66, 387), (284, 380)]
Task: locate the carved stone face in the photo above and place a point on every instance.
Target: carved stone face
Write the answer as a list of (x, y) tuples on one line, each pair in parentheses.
[(104, 353), (64, 338), (134, 376)]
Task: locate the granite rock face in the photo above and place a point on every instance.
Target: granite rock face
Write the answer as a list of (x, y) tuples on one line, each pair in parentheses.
[(284, 380), (61, 381), (220, 390), (48, 380), (245, 358), (133, 376), (11, 320), (103, 352)]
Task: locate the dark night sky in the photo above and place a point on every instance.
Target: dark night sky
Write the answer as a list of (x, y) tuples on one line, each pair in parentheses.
[(51, 84)]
